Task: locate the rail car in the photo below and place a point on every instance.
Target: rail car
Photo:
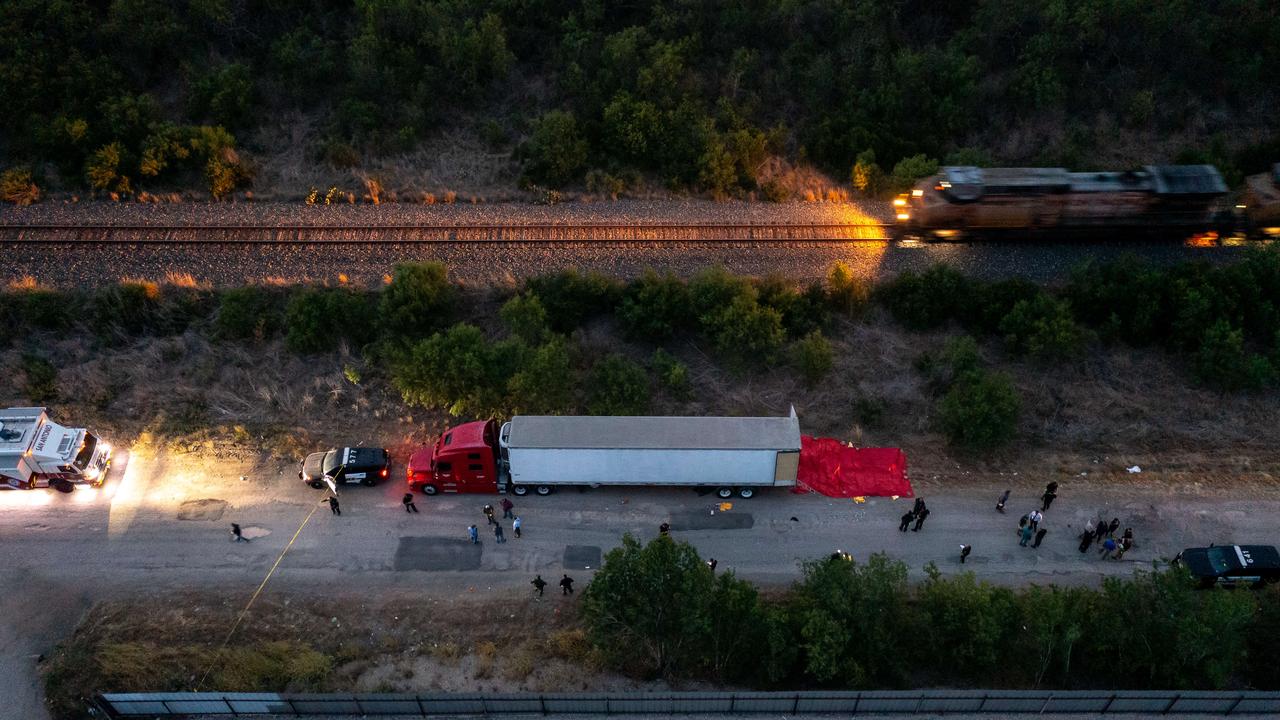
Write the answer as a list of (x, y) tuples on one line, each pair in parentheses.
[(962, 202), (1260, 204)]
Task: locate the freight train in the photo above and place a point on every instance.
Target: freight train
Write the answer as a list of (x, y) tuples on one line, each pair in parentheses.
[(1174, 201)]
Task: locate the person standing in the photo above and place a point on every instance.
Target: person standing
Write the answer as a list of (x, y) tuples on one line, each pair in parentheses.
[(506, 508), (920, 516), (566, 585), (1047, 499), (1112, 527), (515, 525), (237, 536), (497, 533), (488, 514), (473, 532), (1039, 537), (334, 507), (1022, 523), (1086, 538), (711, 563), (409, 505), (1026, 535), (538, 584), (906, 520), (918, 506), (1033, 519), (1003, 499), (964, 552), (664, 529), (1108, 547)]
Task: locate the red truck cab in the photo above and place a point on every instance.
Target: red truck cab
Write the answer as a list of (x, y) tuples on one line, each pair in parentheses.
[(462, 460)]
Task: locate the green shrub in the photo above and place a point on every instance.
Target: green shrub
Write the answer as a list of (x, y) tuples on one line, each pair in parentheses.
[(317, 320), (418, 300), (980, 410), (127, 309), (555, 153), (654, 306), (715, 289), (969, 622), (813, 357), (617, 386), (909, 170), (847, 293), (672, 374), (1042, 328), (988, 303), (1222, 362), (248, 312), (571, 298), (46, 309), (525, 318), (544, 384), (802, 312), (744, 331), (1124, 299), (458, 371), (922, 301), (867, 176), (41, 379)]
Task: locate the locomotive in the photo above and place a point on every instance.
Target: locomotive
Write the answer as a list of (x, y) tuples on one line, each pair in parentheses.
[(1157, 200)]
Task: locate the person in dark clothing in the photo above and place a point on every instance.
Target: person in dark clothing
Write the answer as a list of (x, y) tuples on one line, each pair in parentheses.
[(920, 516), (1039, 537), (497, 533), (1003, 499), (1047, 499), (918, 506), (1051, 487), (664, 529), (237, 535), (473, 532), (409, 505), (566, 585), (538, 584), (1086, 540), (506, 508), (334, 507), (906, 520), (964, 552), (1022, 523), (488, 514), (712, 564), (1112, 527)]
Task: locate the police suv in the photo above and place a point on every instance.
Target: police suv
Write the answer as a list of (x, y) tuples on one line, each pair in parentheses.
[(345, 465), (1232, 565)]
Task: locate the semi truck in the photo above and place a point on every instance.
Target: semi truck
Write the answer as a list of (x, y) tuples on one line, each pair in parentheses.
[(36, 452), (741, 455)]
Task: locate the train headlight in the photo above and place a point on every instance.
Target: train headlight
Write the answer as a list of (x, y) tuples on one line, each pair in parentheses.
[(904, 216), (899, 202), (917, 193)]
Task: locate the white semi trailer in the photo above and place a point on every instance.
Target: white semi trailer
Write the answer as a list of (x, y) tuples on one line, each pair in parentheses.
[(540, 453), (36, 452)]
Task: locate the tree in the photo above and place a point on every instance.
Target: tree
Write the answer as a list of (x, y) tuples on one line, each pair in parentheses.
[(980, 410), (418, 300), (922, 301), (544, 384), (867, 176), (746, 331), (1042, 327), (617, 386), (969, 622), (317, 319), (1222, 362), (847, 293), (555, 153), (458, 371), (672, 374), (813, 357), (103, 169), (525, 318), (247, 312), (910, 169), (654, 306)]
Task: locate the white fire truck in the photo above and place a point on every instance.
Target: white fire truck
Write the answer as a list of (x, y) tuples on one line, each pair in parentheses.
[(36, 452)]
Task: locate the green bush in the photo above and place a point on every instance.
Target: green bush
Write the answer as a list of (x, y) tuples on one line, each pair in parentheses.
[(41, 379), (47, 309), (617, 386), (980, 411), (970, 623), (127, 309), (922, 301), (813, 357), (802, 312), (867, 177), (555, 153), (847, 293), (459, 371), (989, 303), (317, 320), (744, 331), (672, 374), (248, 312), (544, 384), (1042, 328), (714, 289), (1222, 362), (654, 306), (418, 301), (909, 170), (525, 318), (571, 298)]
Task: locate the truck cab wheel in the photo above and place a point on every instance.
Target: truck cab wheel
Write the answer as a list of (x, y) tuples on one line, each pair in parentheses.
[(543, 490), (520, 490), (746, 493), (724, 492), (62, 486), (429, 490), (317, 484)]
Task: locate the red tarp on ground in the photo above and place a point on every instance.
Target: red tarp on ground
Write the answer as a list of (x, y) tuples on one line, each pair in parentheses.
[(834, 469)]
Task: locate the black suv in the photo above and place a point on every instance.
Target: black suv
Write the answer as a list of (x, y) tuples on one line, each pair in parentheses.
[(345, 465), (1232, 565)]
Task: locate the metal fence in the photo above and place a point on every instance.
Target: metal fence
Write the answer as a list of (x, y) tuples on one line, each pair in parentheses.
[(995, 702)]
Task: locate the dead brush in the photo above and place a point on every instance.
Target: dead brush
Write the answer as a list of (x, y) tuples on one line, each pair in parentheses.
[(485, 654), (520, 665)]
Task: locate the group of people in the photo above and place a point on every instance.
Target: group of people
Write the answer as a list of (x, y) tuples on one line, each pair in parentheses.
[(1103, 534), (566, 585), (1029, 530), (917, 515), (499, 534)]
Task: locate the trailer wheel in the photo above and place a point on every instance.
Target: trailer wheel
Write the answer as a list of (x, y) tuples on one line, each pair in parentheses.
[(429, 490), (317, 484), (746, 493), (543, 490), (519, 490), (724, 493)]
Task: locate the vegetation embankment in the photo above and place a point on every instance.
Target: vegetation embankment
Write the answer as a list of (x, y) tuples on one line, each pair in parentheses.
[(657, 613), (145, 95), (573, 343)]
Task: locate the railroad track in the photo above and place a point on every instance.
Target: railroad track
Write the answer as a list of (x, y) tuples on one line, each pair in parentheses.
[(515, 233)]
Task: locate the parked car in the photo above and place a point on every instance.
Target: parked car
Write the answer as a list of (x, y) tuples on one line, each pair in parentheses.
[(1232, 565), (345, 465)]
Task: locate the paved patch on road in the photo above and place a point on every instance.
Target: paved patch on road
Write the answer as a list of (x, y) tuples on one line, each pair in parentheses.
[(431, 554), (204, 509), (581, 557), (709, 521)]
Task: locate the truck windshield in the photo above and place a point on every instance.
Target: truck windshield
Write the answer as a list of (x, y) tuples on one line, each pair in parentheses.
[(332, 460), (86, 453), (1222, 558)]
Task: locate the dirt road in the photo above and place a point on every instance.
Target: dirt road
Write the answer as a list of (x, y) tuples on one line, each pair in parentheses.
[(162, 523)]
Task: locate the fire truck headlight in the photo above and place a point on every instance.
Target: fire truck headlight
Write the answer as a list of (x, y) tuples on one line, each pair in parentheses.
[(91, 473)]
